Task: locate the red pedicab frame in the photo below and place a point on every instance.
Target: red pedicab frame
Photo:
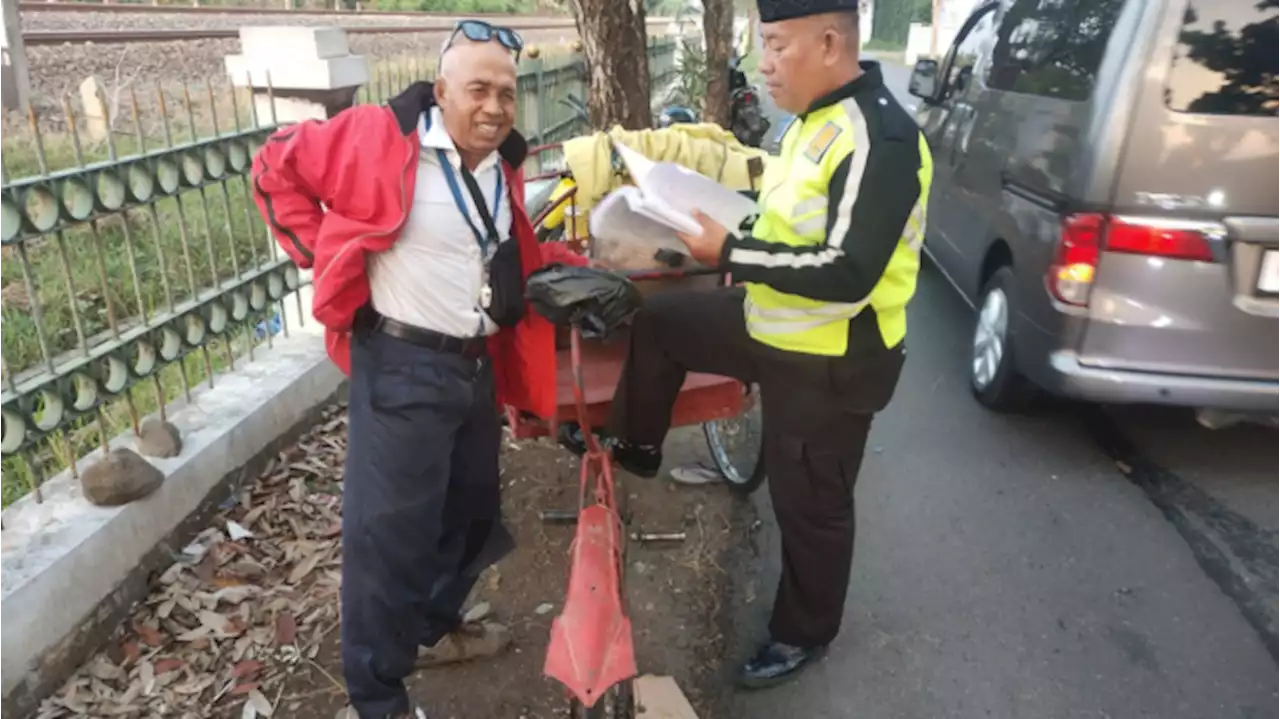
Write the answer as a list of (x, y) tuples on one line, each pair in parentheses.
[(591, 651)]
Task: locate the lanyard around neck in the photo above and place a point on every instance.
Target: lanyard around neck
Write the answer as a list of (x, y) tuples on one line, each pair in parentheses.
[(482, 238)]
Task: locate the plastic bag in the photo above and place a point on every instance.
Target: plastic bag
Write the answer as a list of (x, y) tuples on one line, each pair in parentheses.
[(595, 301)]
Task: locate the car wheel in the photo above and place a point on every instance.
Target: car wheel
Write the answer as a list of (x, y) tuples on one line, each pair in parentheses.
[(992, 375)]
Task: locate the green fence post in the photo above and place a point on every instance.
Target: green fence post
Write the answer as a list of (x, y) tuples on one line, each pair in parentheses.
[(541, 87)]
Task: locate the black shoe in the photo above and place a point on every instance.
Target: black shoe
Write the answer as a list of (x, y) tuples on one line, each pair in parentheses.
[(642, 460), (570, 437), (776, 663)]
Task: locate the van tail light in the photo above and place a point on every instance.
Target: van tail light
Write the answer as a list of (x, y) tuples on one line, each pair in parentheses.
[(1086, 235), (1072, 272), (1161, 238)]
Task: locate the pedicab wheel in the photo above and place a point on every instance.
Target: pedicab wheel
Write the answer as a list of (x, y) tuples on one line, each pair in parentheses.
[(737, 445), (617, 703)]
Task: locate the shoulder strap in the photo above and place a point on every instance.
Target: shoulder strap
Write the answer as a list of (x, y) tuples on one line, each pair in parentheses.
[(478, 198)]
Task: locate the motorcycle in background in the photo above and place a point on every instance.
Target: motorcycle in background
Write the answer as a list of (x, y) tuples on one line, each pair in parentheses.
[(746, 119)]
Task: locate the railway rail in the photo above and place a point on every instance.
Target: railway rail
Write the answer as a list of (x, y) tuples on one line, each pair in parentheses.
[(225, 10), (109, 37)]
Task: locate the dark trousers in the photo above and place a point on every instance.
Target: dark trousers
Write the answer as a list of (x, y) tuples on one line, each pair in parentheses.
[(817, 413), (421, 508)]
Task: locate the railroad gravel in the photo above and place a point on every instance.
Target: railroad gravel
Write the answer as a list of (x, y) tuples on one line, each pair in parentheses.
[(58, 69)]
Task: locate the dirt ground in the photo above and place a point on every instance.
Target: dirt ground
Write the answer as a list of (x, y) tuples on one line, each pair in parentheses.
[(219, 635)]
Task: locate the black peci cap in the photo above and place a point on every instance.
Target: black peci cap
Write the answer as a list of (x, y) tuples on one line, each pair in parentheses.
[(776, 10)]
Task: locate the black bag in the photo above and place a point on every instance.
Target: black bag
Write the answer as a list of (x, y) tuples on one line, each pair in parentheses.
[(506, 277), (595, 301)]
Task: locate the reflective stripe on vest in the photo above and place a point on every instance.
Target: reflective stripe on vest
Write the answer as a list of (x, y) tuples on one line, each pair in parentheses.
[(793, 216), (776, 320)]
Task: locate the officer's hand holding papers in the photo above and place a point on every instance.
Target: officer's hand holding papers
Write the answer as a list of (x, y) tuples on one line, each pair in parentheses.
[(667, 200)]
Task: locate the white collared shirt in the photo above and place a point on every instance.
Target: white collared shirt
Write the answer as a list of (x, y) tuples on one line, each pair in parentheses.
[(432, 276)]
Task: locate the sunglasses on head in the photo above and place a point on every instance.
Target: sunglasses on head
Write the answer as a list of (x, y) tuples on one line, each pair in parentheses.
[(481, 31)]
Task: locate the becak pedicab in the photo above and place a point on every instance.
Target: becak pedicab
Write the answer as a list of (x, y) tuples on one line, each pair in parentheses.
[(591, 651)]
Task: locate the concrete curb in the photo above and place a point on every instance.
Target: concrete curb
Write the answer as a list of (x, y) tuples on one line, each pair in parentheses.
[(69, 570)]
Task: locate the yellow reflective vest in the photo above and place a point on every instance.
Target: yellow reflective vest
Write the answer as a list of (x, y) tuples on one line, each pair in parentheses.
[(841, 226)]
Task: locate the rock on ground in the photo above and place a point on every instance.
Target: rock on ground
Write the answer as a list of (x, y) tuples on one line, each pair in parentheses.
[(158, 438), (120, 477)]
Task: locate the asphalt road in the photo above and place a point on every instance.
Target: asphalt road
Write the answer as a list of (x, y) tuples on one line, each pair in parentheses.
[(1068, 563)]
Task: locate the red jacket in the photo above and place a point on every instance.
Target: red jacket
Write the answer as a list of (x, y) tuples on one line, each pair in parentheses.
[(361, 165)]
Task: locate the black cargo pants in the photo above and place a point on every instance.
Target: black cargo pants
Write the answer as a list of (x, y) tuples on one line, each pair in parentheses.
[(817, 413), (421, 508)]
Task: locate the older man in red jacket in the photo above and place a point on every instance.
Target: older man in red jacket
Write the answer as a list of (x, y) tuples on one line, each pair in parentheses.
[(412, 216)]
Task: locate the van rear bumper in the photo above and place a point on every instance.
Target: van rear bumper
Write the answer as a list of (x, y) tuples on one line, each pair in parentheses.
[(1067, 377)]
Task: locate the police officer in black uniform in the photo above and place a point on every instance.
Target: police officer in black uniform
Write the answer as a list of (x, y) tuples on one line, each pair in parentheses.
[(820, 320)]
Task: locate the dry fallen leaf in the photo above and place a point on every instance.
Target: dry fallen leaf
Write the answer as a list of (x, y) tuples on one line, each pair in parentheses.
[(150, 635), (246, 668), (233, 613), (214, 621), (260, 703), (237, 532), (168, 664), (147, 675), (286, 629), (304, 567), (245, 688)]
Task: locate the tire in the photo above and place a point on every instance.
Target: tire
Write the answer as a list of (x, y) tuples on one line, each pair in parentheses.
[(737, 446), (617, 703), (993, 376)]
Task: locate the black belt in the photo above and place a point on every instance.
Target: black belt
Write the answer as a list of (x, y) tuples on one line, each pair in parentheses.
[(469, 347)]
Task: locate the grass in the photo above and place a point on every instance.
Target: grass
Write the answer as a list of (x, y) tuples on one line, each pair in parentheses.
[(69, 291)]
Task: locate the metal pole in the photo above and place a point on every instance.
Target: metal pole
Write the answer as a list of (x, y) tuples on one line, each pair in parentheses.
[(15, 77)]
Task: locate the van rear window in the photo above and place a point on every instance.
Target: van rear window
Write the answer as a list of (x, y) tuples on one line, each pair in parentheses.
[(1225, 62)]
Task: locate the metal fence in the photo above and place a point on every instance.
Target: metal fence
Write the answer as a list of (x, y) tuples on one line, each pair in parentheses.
[(135, 266)]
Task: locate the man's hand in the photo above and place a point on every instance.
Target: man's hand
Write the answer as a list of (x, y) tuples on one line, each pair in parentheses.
[(707, 245)]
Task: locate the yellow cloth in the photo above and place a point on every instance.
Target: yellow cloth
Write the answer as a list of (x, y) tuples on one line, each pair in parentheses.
[(556, 215), (705, 147)]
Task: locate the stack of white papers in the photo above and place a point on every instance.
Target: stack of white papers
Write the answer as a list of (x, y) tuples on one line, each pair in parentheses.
[(645, 217)]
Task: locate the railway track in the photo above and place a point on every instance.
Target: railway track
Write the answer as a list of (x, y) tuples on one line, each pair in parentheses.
[(117, 37), (126, 8), (363, 23), (127, 44)]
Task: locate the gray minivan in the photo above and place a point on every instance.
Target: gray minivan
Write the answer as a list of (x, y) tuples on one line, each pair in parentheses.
[(1105, 195)]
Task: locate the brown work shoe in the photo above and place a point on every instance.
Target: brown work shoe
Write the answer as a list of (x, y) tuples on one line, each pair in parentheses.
[(473, 640)]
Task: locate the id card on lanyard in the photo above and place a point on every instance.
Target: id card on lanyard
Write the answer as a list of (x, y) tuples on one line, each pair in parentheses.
[(487, 240)]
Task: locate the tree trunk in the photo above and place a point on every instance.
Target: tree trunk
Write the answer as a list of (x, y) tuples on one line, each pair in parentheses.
[(614, 44), (717, 28)]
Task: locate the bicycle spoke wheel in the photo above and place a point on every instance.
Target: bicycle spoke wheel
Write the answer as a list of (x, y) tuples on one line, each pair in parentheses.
[(737, 445)]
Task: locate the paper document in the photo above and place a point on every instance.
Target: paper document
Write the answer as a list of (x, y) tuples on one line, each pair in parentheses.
[(661, 203)]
